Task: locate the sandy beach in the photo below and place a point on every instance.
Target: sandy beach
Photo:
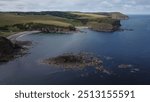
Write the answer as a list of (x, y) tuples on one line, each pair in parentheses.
[(20, 34)]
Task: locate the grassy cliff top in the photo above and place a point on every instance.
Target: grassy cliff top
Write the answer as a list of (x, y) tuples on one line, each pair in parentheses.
[(89, 15), (56, 18), (10, 19)]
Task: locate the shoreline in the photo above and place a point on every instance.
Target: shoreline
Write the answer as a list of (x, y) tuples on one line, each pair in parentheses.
[(20, 34), (81, 27)]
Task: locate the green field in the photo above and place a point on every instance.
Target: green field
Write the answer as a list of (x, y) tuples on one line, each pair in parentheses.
[(9, 19), (52, 18), (89, 16)]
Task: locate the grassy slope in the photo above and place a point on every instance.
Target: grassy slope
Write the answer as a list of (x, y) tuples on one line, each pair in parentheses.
[(52, 18), (88, 15), (9, 19)]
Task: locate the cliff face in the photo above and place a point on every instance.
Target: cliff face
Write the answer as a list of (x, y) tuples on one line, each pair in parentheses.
[(55, 29), (7, 49), (40, 27), (6, 46), (49, 28), (102, 27), (105, 25)]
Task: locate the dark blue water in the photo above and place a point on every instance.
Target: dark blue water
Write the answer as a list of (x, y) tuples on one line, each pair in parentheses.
[(126, 47)]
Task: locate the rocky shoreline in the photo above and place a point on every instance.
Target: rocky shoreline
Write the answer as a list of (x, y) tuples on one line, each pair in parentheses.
[(10, 48)]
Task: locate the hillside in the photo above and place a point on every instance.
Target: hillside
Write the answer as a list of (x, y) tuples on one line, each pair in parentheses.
[(55, 21)]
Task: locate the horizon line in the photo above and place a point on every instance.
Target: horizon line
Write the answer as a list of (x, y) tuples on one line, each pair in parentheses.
[(78, 11)]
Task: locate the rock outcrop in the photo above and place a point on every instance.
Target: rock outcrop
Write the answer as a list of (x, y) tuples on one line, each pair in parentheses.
[(8, 49), (105, 25), (77, 61)]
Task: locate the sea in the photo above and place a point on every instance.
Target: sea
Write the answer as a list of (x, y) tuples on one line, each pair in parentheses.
[(125, 54)]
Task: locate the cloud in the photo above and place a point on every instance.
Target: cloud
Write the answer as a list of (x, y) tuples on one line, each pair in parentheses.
[(125, 6)]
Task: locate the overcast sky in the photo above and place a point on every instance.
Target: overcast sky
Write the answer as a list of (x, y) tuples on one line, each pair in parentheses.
[(124, 6)]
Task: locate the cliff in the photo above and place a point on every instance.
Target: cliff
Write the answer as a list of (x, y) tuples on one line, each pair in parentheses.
[(47, 28), (119, 16), (7, 49), (105, 25)]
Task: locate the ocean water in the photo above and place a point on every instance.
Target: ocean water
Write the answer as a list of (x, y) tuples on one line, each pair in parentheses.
[(121, 47)]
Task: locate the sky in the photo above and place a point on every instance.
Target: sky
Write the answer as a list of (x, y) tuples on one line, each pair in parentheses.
[(124, 6)]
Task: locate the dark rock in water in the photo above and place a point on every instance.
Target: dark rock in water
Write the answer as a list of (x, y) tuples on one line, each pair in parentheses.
[(131, 68), (8, 50), (125, 29), (125, 66), (76, 61)]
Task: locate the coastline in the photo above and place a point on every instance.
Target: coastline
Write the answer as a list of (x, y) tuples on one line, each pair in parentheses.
[(19, 34), (11, 48), (81, 27)]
